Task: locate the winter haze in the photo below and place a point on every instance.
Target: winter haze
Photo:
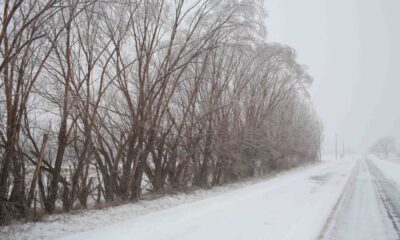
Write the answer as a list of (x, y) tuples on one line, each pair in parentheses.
[(199, 119), (352, 50)]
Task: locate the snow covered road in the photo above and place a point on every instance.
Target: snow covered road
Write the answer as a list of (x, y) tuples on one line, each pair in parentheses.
[(354, 198), (370, 205), (294, 205)]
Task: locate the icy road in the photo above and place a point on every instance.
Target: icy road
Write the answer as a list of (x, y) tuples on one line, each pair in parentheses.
[(369, 207), (354, 198)]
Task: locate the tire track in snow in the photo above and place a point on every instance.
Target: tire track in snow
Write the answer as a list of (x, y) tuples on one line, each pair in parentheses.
[(389, 195), (334, 220), (369, 207)]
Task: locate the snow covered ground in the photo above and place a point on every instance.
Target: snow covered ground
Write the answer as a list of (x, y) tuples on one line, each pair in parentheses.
[(292, 205)]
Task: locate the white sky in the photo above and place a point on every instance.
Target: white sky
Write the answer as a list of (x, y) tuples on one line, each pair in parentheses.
[(352, 48)]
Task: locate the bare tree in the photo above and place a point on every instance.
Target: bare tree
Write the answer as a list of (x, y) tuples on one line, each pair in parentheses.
[(25, 47), (384, 146), (139, 96)]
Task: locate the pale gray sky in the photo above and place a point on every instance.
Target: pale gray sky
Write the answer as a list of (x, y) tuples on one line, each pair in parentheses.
[(352, 48)]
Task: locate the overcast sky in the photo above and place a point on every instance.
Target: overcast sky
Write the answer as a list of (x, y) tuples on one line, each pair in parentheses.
[(352, 48)]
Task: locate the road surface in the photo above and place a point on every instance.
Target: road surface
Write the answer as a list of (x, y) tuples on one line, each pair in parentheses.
[(369, 207)]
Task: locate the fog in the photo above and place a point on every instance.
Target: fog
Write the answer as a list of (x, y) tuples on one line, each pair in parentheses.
[(351, 48)]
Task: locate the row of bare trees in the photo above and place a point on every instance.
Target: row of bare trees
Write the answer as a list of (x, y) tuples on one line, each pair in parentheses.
[(384, 147), (101, 101)]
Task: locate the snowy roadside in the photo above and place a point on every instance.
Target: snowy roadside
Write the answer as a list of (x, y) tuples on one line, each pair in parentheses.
[(56, 225), (294, 203)]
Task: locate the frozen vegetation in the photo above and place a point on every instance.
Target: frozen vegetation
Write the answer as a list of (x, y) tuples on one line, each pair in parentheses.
[(102, 102)]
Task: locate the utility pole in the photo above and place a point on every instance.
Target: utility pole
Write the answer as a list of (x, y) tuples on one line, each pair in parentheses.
[(336, 145), (343, 150)]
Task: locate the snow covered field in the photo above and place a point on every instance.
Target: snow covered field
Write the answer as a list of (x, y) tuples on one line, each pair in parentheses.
[(292, 205)]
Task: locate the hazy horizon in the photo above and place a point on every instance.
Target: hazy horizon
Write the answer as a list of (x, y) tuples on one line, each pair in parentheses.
[(350, 48)]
